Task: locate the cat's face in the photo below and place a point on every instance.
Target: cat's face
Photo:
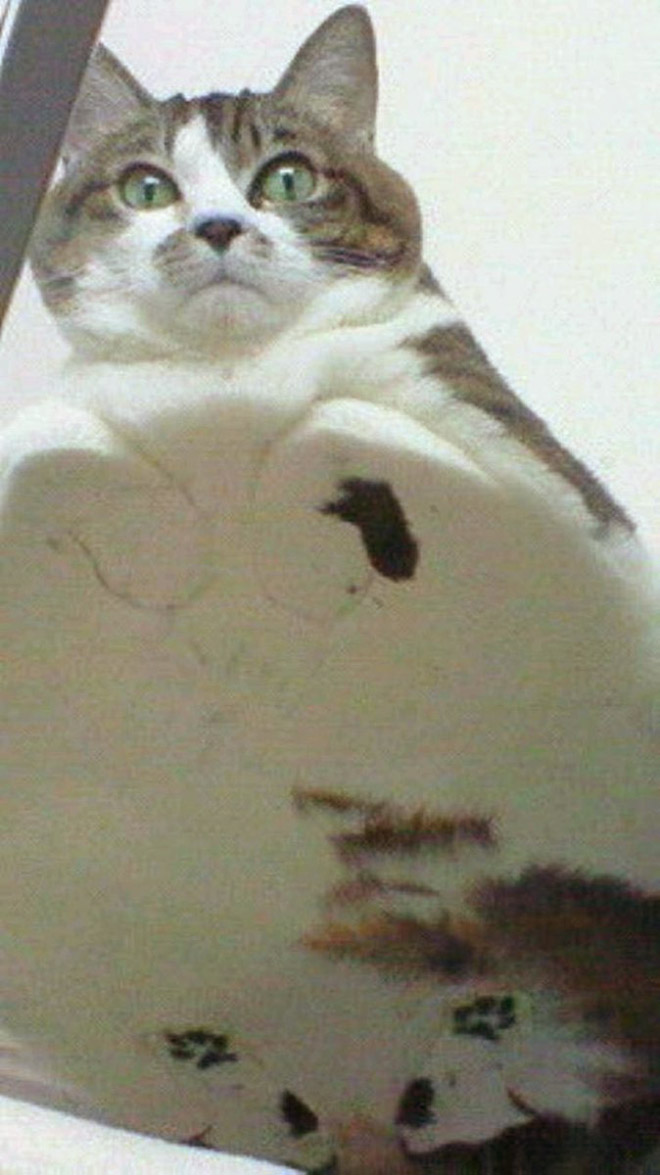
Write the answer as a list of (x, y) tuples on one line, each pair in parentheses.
[(210, 225)]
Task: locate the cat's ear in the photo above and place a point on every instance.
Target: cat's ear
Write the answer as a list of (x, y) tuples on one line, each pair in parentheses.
[(334, 75), (109, 96)]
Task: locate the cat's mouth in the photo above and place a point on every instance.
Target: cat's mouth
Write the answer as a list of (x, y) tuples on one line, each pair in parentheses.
[(193, 268), (247, 290), (230, 286), (227, 305), (222, 281)]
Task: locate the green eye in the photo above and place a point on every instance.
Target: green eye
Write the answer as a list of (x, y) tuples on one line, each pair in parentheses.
[(147, 188), (287, 182)]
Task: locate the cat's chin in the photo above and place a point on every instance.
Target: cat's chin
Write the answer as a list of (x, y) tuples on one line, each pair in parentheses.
[(223, 320), (231, 316)]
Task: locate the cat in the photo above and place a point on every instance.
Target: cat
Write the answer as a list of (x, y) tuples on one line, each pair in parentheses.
[(332, 751)]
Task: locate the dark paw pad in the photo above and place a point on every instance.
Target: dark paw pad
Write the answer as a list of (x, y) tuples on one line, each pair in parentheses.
[(200, 1046), (487, 1017)]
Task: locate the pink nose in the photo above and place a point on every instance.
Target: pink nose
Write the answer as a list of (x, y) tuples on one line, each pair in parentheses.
[(365, 1148)]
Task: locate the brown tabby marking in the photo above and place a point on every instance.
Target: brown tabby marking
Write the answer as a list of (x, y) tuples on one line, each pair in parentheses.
[(596, 938), (366, 886), (407, 947), (455, 358), (388, 830)]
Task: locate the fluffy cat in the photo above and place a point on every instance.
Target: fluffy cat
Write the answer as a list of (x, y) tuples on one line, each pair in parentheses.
[(332, 742)]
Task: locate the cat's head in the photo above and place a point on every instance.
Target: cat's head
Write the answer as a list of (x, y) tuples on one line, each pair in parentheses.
[(210, 225)]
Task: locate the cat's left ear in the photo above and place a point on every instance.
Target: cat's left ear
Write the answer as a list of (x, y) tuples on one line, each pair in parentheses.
[(334, 75), (109, 97)]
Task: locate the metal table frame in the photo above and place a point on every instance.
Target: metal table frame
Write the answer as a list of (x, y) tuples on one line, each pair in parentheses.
[(45, 45)]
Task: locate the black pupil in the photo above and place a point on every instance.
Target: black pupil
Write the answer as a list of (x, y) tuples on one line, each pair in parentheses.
[(289, 181), (150, 186)]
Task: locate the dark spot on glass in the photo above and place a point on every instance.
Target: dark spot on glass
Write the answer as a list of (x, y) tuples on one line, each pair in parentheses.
[(373, 508)]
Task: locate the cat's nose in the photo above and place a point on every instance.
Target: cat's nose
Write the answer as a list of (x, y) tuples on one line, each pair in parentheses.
[(218, 231)]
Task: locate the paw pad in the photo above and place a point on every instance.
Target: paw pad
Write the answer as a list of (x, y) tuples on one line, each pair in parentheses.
[(200, 1046), (487, 1017)]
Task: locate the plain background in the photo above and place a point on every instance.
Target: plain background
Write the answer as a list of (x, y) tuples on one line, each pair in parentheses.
[(529, 130)]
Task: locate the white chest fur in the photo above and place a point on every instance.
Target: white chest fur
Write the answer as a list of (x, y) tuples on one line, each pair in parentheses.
[(194, 635)]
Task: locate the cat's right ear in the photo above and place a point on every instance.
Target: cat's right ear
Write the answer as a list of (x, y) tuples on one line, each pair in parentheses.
[(109, 96)]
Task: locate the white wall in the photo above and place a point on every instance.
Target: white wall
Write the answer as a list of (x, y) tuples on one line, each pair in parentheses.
[(529, 128)]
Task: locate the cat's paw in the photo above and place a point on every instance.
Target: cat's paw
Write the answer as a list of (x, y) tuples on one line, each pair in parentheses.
[(248, 1108), (462, 1094)]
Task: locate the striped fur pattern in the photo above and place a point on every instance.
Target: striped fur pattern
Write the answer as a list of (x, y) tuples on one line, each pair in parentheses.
[(148, 284), (452, 354), (546, 918)]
